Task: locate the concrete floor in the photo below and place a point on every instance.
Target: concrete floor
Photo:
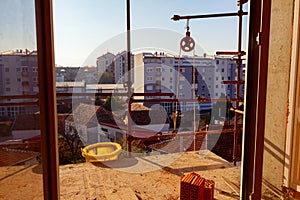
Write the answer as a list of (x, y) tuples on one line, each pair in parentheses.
[(151, 177)]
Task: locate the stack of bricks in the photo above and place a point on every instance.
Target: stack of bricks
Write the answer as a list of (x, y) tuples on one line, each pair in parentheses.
[(194, 187), (185, 184)]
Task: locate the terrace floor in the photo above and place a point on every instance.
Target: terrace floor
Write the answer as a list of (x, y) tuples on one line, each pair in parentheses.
[(151, 177)]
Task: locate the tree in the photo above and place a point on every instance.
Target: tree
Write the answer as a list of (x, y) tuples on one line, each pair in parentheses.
[(113, 102), (106, 78), (69, 145)]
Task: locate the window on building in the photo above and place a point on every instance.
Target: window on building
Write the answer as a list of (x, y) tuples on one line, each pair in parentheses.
[(104, 130), (18, 69), (217, 86), (24, 69), (7, 89), (7, 81), (222, 69), (182, 70), (149, 78), (217, 62), (217, 78), (149, 87), (6, 69), (229, 78), (217, 94), (149, 69)]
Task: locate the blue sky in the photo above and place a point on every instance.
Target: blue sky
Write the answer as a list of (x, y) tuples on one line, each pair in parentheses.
[(82, 26)]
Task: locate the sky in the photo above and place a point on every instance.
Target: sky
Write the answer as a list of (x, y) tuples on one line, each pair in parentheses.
[(93, 27)]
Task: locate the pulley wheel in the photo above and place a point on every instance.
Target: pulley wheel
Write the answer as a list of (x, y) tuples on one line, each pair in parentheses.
[(187, 44)]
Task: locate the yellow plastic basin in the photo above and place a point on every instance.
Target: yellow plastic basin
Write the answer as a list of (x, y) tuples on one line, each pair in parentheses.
[(102, 151)]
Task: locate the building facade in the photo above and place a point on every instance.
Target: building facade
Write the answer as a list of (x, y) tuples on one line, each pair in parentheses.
[(18, 76), (104, 63), (186, 77), (120, 64)]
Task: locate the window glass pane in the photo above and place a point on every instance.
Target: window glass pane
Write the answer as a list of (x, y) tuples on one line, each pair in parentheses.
[(21, 175), (166, 137)]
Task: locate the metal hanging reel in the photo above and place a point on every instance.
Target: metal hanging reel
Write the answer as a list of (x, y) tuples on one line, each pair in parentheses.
[(187, 43)]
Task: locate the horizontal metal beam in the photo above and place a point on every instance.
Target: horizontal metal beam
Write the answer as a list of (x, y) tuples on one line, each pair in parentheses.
[(68, 94), (237, 111), (35, 96), (242, 53), (184, 100), (172, 135), (178, 17), (233, 82), (35, 103), (154, 94)]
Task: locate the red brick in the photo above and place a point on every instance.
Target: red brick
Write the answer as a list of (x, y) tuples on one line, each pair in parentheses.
[(197, 188), (209, 187)]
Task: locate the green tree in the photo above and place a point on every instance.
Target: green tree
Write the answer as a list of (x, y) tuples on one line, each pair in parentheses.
[(106, 78), (113, 102)]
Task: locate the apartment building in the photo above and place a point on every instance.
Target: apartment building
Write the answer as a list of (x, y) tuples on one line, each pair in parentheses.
[(154, 73), (18, 76), (120, 68), (104, 62), (186, 77)]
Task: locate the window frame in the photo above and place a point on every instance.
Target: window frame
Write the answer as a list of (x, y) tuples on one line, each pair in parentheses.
[(47, 98), (258, 55)]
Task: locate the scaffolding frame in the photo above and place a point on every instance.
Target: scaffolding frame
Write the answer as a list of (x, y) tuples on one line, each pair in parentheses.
[(239, 53)]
